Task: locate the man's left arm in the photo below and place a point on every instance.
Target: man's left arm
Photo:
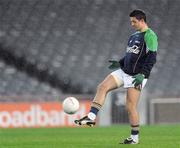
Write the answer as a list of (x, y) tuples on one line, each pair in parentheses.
[(151, 45), (149, 63)]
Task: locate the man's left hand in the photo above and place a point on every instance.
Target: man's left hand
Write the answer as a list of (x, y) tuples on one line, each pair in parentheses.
[(138, 79)]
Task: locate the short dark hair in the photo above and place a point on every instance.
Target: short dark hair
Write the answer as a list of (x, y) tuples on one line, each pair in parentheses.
[(139, 14)]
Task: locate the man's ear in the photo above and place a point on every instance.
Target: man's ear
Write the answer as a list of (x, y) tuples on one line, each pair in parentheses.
[(142, 20)]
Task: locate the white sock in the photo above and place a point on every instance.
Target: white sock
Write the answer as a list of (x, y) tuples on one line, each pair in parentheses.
[(135, 138), (91, 116)]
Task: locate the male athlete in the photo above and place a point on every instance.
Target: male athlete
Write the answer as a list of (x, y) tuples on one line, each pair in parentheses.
[(132, 72)]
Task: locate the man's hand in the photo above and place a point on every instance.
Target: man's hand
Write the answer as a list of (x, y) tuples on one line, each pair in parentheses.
[(138, 81), (114, 64)]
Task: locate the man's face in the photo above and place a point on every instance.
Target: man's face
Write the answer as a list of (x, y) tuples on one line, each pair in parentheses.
[(135, 23)]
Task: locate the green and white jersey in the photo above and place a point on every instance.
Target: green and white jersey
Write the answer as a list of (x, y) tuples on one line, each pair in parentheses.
[(140, 53)]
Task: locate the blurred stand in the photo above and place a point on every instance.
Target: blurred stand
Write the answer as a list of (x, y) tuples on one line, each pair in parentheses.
[(52, 48)]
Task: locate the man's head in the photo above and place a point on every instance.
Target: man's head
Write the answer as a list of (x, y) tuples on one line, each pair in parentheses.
[(138, 19)]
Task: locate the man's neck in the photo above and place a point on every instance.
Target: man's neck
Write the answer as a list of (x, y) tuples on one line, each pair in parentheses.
[(144, 28)]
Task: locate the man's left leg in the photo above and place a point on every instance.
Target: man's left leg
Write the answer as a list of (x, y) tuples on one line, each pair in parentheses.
[(131, 105)]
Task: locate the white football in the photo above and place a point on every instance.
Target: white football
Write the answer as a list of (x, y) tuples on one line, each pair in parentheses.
[(70, 105)]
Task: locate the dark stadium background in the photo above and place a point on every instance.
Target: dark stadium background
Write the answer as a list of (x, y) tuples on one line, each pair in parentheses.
[(50, 49)]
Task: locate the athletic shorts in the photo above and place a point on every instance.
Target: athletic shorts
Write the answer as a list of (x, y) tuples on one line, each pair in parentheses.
[(124, 79)]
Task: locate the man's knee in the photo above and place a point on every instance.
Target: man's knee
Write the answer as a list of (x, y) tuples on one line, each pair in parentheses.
[(102, 87), (108, 84), (130, 108)]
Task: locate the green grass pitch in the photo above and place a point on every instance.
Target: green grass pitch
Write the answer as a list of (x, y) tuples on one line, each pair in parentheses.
[(157, 136)]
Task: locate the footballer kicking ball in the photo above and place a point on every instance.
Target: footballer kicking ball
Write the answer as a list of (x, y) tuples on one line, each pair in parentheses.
[(70, 105)]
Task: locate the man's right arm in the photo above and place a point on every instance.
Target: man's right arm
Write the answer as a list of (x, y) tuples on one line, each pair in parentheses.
[(116, 64)]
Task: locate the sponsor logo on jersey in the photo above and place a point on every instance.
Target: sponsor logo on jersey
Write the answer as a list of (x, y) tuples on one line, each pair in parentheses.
[(137, 41), (134, 49)]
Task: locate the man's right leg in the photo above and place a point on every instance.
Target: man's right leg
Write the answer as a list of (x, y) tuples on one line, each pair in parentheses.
[(103, 88)]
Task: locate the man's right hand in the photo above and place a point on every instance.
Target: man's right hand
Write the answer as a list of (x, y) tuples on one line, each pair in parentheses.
[(114, 64)]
